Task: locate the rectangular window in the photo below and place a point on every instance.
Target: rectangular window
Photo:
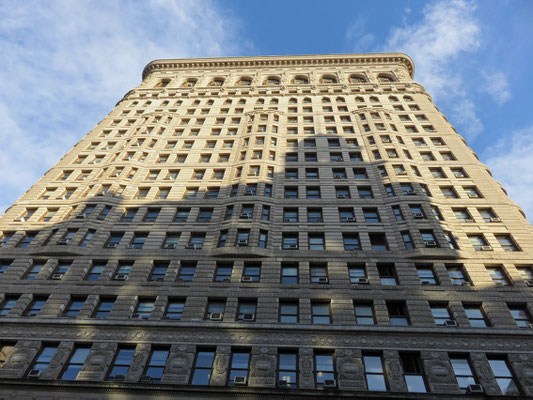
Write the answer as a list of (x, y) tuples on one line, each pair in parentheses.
[(520, 314), (34, 308), (174, 309), (289, 273), (374, 373), (239, 367), (104, 308), (357, 273), (215, 310), (398, 315), (43, 359), (156, 365), (364, 313), (457, 275), (8, 303), (503, 375), (463, 372), (34, 270), (378, 242), (223, 272), (251, 271), (426, 275), (75, 363), (316, 241), (476, 315), (413, 372), (246, 310), (288, 368), (203, 367), (187, 270), (325, 369), (289, 241), (74, 307), (288, 311), (321, 312), (441, 314), (26, 240), (144, 308), (318, 272), (498, 275), (387, 274), (121, 363)]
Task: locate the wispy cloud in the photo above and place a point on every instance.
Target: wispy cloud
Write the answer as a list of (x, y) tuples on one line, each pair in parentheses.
[(358, 34), (447, 33), (65, 64), (510, 160), (497, 86)]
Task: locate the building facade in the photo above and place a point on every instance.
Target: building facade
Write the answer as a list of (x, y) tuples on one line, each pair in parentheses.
[(277, 227)]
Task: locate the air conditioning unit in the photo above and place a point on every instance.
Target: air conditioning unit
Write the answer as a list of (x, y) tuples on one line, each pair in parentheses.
[(330, 383), (216, 316), (100, 194), (190, 247), (486, 248), (283, 383), (362, 281), (418, 215), (118, 378), (240, 381), (121, 277), (57, 276), (495, 219), (80, 216), (529, 283), (170, 245), (35, 373), (473, 195), (338, 176), (425, 283), (63, 241), (430, 243), (450, 322), (349, 219), (292, 246), (247, 279), (242, 242), (410, 193), (130, 246), (342, 196), (323, 280), (139, 316), (100, 217), (475, 388), (21, 219), (246, 216), (248, 317), (146, 379), (112, 245)]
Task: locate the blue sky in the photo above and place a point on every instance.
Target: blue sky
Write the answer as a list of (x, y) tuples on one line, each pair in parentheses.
[(64, 66)]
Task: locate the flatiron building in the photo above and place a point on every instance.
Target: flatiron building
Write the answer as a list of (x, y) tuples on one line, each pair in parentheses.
[(274, 227)]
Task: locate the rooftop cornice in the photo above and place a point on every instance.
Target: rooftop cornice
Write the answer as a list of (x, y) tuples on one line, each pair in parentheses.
[(281, 61)]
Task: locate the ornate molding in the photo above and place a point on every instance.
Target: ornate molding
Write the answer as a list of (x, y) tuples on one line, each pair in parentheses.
[(281, 62)]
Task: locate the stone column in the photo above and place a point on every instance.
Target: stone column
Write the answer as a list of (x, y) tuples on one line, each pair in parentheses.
[(98, 362), (179, 364), (439, 372), (220, 366), (142, 352), (263, 367), (21, 357), (306, 378), (58, 361), (350, 369), (393, 371)]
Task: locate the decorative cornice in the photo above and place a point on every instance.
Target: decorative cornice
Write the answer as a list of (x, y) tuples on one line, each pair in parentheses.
[(280, 61)]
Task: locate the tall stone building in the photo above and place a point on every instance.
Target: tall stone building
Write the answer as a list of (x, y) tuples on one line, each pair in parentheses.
[(274, 227)]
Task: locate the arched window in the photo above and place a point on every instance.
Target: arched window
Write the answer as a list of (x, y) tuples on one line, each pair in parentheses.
[(328, 79), (355, 78), (260, 101), (340, 100), (274, 101), (217, 82), (326, 100), (242, 101), (307, 100), (293, 100), (245, 81), (272, 80), (374, 99), (162, 83), (300, 80), (359, 99), (189, 82), (408, 98), (385, 78), (393, 98)]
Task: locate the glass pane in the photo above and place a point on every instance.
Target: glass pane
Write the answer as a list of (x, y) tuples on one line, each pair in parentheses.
[(71, 373), (507, 385), (124, 357), (201, 377), (287, 361), (415, 384), (240, 360), (373, 364), (119, 370), (205, 359), (287, 376), (80, 355), (499, 368), (376, 382), (461, 366), (324, 363), (159, 357)]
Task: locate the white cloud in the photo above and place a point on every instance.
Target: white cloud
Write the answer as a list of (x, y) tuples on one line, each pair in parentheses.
[(510, 160), (447, 32), (497, 86), (66, 63), (357, 33)]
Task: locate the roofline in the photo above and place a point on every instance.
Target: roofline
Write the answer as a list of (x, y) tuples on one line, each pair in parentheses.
[(281, 61)]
